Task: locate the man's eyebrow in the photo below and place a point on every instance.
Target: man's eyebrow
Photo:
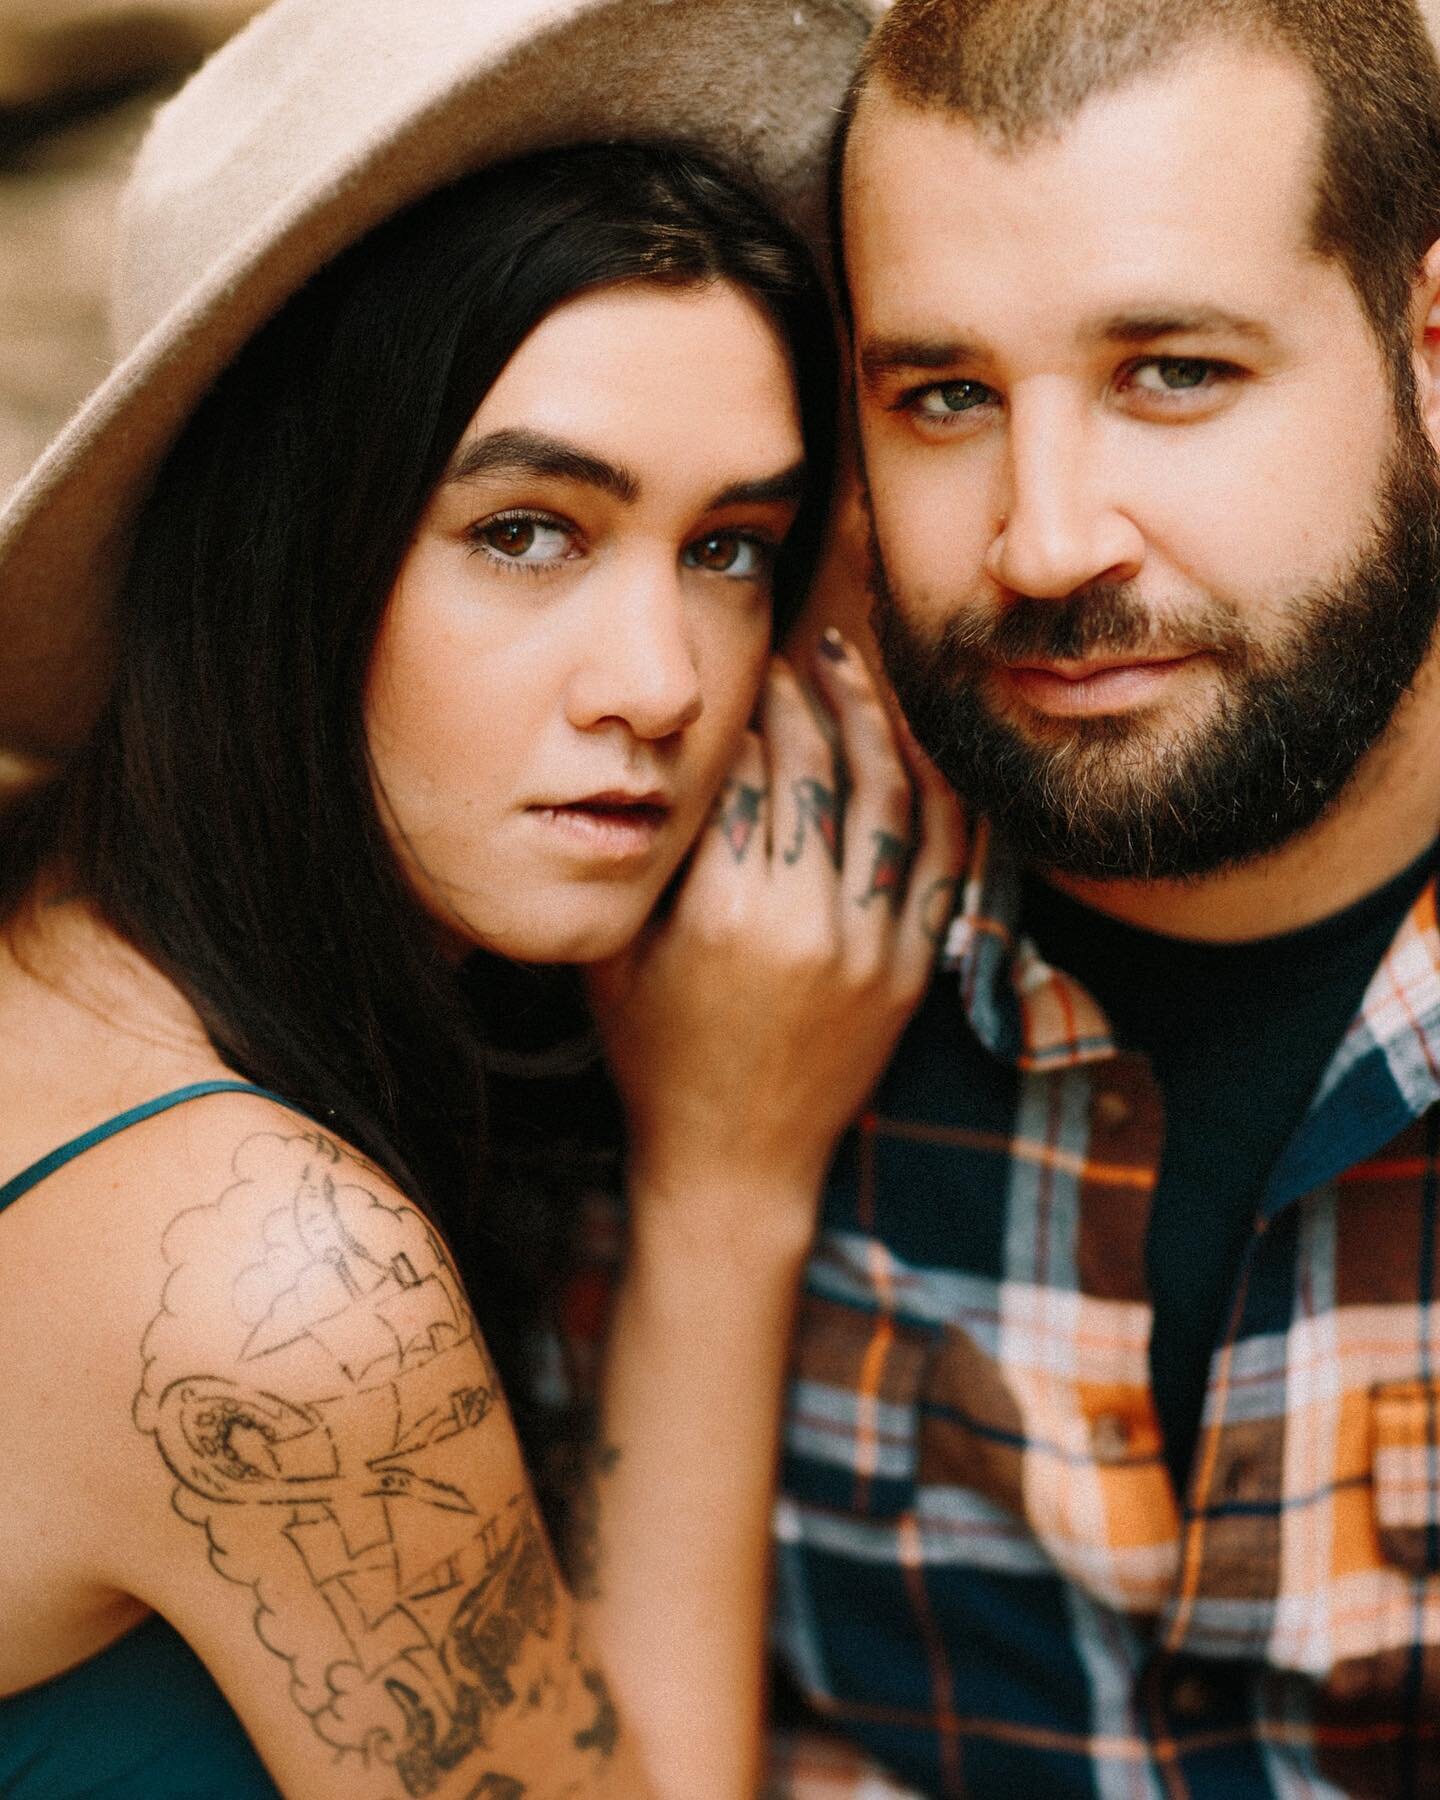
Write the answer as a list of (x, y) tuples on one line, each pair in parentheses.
[(788, 485), (1142, 327), (885, 355), (521, 452)]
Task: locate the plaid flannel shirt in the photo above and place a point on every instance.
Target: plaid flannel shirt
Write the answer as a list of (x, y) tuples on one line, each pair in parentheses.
[(986, 1583)]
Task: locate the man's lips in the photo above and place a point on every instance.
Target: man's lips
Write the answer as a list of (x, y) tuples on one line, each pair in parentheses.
[(1085, 668), (1094, 686)]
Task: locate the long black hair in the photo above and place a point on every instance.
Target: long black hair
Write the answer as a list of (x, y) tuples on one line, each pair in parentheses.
[(222, 818)]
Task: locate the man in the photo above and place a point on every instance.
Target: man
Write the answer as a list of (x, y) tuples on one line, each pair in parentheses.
[(1113, 1463)]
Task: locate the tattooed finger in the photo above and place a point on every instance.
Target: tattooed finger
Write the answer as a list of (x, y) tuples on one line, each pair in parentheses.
[(817, 811), (739, 811), (889, 866)]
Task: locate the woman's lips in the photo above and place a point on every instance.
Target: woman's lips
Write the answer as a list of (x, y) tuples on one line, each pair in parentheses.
[(1095, 688), (609, 827)]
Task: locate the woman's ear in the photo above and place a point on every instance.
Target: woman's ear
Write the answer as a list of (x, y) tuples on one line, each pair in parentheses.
[(1425, 345)]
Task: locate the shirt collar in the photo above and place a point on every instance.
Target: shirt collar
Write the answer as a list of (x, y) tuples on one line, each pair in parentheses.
[(1032, 1014), (1021, 1009)]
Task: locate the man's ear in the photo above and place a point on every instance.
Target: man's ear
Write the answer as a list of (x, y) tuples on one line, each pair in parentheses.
[(1425, 314)]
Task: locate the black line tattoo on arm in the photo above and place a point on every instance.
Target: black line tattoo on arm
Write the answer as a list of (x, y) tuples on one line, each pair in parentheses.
[(604, 1733), (581, 1546), (329, 1451), (497, 1787)]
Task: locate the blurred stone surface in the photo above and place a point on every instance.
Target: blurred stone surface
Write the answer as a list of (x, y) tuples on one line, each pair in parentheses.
[(78, 80), (51, 47), (56, 208)]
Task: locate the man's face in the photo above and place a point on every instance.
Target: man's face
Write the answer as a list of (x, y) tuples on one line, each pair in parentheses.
[(1156, 552)]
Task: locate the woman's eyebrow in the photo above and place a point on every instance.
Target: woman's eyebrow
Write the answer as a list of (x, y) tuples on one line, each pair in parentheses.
[(788, 485), (517, 451), (521, 452)]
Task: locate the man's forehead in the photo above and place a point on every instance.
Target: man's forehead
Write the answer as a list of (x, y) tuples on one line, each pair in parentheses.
[(1201, 175)]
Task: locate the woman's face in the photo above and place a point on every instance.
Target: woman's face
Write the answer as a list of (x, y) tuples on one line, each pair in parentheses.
[(582, 620)]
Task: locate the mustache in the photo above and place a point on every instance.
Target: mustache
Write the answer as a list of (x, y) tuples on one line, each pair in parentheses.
[(1103, 619)]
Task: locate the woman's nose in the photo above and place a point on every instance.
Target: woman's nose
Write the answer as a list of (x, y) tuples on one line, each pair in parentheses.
[(639, 664)]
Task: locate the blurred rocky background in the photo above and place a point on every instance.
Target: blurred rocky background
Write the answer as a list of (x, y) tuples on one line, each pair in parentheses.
[(78, 79)]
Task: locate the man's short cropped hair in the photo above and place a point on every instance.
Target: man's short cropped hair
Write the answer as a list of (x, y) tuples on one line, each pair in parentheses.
[(1019, 70)]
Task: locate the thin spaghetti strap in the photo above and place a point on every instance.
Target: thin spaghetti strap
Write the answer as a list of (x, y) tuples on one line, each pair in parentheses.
[(47, 1165)]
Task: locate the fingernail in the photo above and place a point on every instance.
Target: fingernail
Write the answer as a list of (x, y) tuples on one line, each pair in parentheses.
[(832, 645)]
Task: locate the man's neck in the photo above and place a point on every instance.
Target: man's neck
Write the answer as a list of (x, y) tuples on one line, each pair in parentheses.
[(1384, 819)]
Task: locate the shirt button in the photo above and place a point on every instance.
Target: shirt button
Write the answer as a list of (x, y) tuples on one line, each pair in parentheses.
[(1112, 1110), (1110, 1437), (1190, 1696)]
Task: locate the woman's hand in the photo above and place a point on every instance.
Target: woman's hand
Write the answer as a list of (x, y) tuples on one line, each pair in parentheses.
[(745, 1030), (747, 1025)]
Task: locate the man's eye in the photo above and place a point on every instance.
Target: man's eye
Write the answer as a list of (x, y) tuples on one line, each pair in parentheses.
[(1164, 375), (737, 554), (525, 540), (947, 399)]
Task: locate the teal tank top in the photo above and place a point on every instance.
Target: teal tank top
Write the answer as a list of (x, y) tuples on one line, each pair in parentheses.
[(142, 1720)]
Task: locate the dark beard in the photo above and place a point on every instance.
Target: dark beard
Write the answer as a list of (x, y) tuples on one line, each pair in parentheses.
[(1113, 798)]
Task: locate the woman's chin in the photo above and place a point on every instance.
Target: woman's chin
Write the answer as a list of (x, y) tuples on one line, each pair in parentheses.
[(557, 935)]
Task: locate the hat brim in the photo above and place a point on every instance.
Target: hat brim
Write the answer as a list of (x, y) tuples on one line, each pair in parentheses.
[(755, 83)]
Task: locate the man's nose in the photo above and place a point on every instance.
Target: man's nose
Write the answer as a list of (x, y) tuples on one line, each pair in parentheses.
[(638, 663), (1057, 529)]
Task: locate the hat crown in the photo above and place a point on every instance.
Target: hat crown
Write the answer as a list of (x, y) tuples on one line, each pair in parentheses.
[(254, 143)]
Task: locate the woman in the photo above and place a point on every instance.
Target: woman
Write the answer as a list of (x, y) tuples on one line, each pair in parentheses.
[(437, 632)]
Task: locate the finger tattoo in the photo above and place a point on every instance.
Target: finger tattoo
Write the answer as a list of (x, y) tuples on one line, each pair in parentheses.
[(737, 815), (817, 807), (888, 870)]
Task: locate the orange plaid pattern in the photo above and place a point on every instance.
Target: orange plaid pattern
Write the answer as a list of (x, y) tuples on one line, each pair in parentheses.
[(986, 1583)]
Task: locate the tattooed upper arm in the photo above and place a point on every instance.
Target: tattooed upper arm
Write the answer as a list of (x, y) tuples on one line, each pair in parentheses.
[(326, 1426)]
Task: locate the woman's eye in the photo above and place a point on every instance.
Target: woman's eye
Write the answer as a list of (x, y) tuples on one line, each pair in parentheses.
[(948, 399), (732, 553), (527, 540), (1167, 375)]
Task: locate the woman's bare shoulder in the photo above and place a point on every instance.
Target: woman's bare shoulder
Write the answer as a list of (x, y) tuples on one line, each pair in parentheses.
[(227, 1236), (278, 1246), (296, 1449), (230, 1229), (130, 1181)]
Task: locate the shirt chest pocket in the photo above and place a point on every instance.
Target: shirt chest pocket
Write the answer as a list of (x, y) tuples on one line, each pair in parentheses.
[(1405, 1473)]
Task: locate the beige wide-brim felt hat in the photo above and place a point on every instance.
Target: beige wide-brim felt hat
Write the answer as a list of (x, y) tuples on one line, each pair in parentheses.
[(320, 119)]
